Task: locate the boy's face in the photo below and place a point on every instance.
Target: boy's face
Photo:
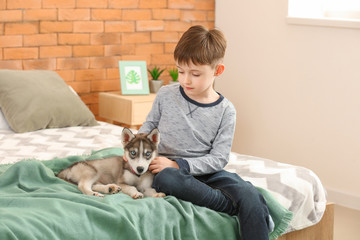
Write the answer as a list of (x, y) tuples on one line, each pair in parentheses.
[(197, 81)]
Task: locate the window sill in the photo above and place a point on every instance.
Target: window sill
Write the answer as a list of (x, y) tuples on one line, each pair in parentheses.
[(325, 22)]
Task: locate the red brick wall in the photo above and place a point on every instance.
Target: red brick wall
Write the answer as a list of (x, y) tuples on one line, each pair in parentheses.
[(83, 40)]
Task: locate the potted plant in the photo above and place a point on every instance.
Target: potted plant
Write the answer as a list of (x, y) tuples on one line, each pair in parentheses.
[(174, 74), (155, 82)]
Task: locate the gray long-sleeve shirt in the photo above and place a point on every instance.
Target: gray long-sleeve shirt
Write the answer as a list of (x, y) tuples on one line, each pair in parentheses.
[(198, 136)]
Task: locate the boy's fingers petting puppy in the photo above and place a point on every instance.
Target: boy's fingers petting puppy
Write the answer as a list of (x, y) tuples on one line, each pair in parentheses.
[(160, 163)]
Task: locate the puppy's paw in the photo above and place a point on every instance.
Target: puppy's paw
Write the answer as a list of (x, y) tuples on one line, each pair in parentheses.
[(113, 188), (137, 195), (96, 194), (159, 195)]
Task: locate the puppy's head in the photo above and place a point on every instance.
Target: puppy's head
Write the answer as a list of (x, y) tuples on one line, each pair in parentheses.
[(140, 149)]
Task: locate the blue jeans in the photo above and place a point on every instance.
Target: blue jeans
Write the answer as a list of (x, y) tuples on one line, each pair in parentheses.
[(223, 192)]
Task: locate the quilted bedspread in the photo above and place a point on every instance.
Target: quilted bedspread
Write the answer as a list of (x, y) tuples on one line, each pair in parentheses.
[(296, 188)]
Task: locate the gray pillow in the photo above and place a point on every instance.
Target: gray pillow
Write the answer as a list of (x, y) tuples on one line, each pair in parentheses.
[(38, 99)]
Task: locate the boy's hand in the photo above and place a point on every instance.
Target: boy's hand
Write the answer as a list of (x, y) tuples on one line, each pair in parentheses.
[(159, 163)]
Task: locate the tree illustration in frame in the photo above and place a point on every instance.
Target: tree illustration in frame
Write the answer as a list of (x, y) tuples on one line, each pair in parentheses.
[(133, 78)]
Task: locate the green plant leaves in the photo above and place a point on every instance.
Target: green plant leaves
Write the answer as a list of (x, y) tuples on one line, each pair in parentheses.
[(156, 72)]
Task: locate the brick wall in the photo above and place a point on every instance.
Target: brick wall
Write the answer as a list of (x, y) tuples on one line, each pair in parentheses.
[(83, 40)]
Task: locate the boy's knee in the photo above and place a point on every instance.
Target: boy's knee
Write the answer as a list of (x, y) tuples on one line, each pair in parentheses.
[(164, 180)]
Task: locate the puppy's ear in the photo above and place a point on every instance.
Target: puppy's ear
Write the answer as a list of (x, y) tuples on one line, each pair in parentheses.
[(154, 136), (126, 136)]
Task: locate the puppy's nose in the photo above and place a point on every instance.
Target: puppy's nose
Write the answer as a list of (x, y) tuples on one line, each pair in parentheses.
[(140, 169)]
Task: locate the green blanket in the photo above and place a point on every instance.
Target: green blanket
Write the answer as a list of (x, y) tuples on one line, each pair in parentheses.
[(35, 204)]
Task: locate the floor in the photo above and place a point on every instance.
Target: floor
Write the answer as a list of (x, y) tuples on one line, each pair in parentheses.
[(347, 224)]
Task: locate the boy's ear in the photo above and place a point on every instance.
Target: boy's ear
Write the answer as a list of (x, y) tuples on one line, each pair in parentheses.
[(219, 69)]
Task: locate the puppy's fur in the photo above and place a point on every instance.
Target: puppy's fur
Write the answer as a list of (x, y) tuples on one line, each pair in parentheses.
[(128, 173)]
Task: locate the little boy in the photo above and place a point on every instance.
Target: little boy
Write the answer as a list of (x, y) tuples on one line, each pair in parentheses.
[(197, 126)]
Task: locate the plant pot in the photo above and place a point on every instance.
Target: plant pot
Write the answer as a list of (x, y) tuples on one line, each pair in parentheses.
[(155, 85)]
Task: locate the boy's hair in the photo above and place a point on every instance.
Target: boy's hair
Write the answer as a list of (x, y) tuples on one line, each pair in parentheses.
[(200, 46)]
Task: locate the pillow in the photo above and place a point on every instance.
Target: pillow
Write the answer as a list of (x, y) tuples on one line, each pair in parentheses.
[(3, 123), (38, 99)]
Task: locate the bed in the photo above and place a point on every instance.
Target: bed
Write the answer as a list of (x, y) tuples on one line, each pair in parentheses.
[(45, 127)]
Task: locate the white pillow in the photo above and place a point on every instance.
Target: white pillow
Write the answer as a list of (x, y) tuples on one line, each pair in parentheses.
[(3, 123)]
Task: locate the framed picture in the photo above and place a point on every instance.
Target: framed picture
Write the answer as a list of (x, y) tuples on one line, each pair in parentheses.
[(133, 78)]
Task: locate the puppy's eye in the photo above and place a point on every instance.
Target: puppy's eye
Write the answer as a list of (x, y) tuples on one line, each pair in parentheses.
[(148, 154), (133, 153)]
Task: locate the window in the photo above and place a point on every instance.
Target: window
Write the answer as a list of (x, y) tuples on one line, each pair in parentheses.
[(338, 13), (348, 9)]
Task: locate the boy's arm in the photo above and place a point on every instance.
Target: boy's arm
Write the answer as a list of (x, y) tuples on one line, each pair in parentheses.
[(219, 154), (153, 118)]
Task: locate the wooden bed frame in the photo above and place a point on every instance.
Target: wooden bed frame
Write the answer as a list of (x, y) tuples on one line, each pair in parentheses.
[(323, 230)]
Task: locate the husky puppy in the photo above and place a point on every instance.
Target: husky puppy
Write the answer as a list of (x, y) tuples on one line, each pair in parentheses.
[(128, 173)]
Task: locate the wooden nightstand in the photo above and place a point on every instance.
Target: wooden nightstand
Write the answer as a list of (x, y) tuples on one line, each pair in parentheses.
[(125, 109)]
